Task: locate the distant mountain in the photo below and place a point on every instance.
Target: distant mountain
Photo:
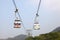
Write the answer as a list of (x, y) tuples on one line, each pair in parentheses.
[(22, 36), (2, 39), (19, 37), (56, 30)]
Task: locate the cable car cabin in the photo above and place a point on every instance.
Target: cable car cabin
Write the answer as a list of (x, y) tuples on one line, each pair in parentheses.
[(36, 26), (17, 24)]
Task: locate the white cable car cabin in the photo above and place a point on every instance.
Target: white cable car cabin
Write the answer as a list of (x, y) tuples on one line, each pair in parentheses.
[(36, 26), (17, 23)]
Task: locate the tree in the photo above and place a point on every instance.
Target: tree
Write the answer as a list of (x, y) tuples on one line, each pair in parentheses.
[(29, 38), (47, 36)]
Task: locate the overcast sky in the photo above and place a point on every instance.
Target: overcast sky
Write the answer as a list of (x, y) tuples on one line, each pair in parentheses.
[(49, 16)]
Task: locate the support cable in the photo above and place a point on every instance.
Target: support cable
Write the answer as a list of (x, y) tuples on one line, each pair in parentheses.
[(14, 4), (38, 7)]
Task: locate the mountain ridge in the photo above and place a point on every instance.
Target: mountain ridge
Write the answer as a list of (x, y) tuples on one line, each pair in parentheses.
[(56, 29), (22, 36)]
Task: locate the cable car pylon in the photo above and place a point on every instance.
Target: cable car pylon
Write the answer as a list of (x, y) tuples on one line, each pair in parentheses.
[(29, 32), (36, 25)]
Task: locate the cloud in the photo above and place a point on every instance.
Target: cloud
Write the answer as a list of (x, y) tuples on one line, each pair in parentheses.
[(32, 2), (48, 4), (52, 4)]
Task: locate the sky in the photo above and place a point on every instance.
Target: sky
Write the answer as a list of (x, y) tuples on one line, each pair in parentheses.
[(49, 16)]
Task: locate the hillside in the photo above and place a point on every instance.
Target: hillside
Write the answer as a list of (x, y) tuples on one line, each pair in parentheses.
[(19, 37), (54, 35), (56, 30)]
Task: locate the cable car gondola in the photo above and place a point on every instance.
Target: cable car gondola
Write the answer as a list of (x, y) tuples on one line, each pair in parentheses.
[(36, 25), (17, 23)]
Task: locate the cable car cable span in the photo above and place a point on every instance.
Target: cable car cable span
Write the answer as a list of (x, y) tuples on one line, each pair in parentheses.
[(38, 6)]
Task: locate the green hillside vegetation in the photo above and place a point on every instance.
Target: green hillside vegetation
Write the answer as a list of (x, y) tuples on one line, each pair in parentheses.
[(47, 36)]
